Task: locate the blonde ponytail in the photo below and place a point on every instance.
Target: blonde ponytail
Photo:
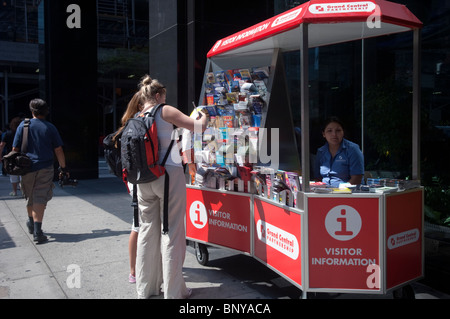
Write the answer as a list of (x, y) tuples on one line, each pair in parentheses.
[(150, 87), (146, 80)]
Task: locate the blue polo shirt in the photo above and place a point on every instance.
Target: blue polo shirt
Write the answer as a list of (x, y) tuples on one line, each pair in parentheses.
[(43, 138), (348, 161)]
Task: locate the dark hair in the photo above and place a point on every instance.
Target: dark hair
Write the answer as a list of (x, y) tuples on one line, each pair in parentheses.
[(14, 123), (38, 107), (332, 119)]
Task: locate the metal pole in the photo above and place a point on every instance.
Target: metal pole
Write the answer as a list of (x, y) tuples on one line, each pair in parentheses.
[(362, 95), (133, 16), (304, 92), (6, 103), (114, 102), (26, 21), (417, 66)]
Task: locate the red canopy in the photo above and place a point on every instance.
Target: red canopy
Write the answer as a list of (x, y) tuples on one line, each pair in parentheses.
[(331, 21)]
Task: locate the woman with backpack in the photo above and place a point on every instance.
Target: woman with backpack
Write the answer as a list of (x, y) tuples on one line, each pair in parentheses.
[(160, 257), (134, 107)]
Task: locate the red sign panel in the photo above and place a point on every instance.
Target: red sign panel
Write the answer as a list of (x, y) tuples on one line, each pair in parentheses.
[(277, 239), (218, 218), (403, 237), (344, 250), (269, 27)]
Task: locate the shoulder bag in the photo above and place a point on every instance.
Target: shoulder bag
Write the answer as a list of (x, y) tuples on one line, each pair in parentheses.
[(18, 163)]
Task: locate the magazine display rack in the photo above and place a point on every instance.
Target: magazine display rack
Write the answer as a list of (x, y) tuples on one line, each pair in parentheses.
[(363, 240)]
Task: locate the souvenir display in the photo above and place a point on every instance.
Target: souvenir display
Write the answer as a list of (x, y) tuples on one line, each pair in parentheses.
[(226, 154)]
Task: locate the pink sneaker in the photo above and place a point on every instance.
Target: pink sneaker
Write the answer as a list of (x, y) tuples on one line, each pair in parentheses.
[(132, 279)]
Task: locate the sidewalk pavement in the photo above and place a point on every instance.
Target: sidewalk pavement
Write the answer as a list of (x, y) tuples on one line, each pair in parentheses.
[(86, 256)]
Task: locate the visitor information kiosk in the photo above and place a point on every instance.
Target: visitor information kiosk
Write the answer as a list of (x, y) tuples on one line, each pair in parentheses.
[(321, 240)]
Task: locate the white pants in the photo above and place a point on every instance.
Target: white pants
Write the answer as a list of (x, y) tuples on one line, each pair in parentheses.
[(160, 257)]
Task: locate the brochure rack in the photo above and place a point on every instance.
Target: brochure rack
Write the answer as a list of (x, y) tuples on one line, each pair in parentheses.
[(359, 242)]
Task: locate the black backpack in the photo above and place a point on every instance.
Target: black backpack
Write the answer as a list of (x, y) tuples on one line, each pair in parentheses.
[(111, 145), (140, 157)]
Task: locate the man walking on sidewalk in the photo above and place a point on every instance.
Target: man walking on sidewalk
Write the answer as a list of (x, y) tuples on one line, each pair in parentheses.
[(37, 185)]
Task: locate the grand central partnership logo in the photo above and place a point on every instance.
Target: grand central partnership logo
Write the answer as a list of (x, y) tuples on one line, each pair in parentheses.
[(279, 239), (403, 238), (286, 18), (373, 21), (342, 7)]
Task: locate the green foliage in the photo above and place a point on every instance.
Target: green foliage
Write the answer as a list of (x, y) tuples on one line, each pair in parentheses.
[(437, 203), (388, 125), (119, 61), (388, 140)]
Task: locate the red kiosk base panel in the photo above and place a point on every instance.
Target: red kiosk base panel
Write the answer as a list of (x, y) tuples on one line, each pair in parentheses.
[(219, 218), (404, 242), (277, 239), (343, 240)]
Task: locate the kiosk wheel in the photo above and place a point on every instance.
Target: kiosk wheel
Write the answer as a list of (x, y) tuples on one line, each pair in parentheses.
[(201, 253), (406, 292)]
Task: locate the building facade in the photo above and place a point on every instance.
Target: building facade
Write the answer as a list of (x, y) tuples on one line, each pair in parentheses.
[(83, 57)]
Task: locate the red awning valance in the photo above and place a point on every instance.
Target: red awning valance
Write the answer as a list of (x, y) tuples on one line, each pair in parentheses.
[(331, 21)]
